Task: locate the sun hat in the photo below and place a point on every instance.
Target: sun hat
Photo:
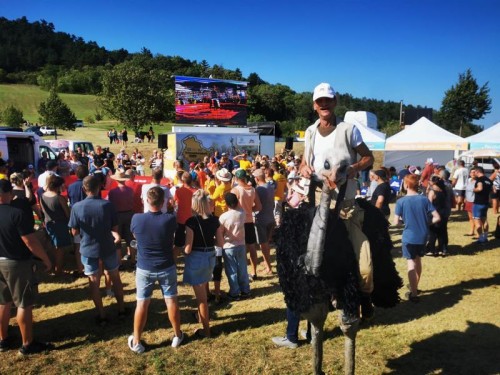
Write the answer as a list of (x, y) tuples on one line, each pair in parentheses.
[(223, 175), (323, 90), (120, 175)]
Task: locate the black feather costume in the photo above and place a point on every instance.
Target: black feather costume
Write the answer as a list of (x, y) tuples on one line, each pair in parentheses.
[(339, 276)]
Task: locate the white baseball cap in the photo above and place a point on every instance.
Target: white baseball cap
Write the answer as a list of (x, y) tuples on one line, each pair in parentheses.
[(323, 90)]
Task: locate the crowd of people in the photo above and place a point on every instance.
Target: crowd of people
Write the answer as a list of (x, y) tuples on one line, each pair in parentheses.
[(212, 214)]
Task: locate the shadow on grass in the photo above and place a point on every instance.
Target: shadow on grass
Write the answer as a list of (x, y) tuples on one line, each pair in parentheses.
[(432, 301), (80, 328), (475, 248), (453, 353), (72, 294)]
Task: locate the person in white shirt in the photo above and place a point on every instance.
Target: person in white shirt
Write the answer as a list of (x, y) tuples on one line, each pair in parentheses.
[(168, 202), (459, 183)]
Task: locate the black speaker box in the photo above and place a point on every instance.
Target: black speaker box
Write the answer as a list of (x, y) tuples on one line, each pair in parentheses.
[(162, 141), (289, 143)]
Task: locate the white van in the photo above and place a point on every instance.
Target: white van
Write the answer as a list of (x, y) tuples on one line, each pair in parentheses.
[(64, 144), (23, 148)]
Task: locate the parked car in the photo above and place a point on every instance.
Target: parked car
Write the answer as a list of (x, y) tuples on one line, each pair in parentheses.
[(34, 129), (47, 130), (78, 124)]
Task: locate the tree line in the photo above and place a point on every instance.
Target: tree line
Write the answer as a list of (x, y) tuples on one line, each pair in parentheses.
[(33, 53)]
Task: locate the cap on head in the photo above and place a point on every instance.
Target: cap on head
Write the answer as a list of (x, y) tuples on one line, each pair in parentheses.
[(323, 90), (429, 161), (5, 186), (241, 174)]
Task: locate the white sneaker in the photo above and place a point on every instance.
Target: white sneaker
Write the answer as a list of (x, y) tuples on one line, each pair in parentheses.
[(283, 341), (176, 341), (137, 348)]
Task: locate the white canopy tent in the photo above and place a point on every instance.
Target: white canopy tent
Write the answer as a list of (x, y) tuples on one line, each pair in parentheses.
[(488, 138), (373, 139), (419, 141)]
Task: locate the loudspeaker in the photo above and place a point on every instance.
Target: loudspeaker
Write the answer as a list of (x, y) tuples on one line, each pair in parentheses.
[(289, 143), (162, 141)]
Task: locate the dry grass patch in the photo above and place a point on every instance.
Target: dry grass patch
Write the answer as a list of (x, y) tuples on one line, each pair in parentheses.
[(453, 330)]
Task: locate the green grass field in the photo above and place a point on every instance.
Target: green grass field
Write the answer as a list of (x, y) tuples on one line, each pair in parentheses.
[(28, 98)]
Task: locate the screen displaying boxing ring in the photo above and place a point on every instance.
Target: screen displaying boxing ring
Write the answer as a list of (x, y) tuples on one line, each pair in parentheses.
[(210, 101)]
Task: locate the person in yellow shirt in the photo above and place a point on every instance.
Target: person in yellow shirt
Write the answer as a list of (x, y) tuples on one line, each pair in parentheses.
[(210, 183), (3, 170), (223, 186), (243, 160), (279, 192)]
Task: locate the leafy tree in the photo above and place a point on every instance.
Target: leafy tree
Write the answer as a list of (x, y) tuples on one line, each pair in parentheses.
[(274, 102), (137, 93), (256, 118), (391, 127), (464, 102), (55, 113), (12, 116)]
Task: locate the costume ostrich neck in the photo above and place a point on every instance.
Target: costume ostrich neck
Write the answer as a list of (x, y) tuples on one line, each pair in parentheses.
[(316, 263)]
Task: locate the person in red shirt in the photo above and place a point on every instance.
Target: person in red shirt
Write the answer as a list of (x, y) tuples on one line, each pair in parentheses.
[(427, 173), (137, 189), (182, 198), (202, 175), (122, 198)]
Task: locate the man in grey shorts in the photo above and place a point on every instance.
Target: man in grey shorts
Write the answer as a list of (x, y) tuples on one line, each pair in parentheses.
[(18, 285)]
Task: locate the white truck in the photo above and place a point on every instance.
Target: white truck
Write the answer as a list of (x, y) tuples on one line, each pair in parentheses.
[(23, 148)]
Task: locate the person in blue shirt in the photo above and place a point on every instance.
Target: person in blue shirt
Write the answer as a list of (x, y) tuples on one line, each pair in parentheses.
[(76, 194), (95, 219), (154, 231), (413, 211)]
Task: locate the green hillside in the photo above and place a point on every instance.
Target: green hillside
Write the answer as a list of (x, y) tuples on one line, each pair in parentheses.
[(27, 98)]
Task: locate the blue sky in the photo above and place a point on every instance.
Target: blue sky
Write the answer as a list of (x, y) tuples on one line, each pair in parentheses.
[(389, 50)]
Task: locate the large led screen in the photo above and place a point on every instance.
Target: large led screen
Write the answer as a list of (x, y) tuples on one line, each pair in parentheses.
[(210, 101)]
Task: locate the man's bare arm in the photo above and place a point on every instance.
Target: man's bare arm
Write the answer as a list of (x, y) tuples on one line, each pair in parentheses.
[(364, 162), (34, 245)]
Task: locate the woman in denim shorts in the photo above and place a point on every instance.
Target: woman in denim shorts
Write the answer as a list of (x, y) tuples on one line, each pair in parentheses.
[(201, 230)]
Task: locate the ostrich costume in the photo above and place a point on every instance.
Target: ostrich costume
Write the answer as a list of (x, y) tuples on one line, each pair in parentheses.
[(317, 266)]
